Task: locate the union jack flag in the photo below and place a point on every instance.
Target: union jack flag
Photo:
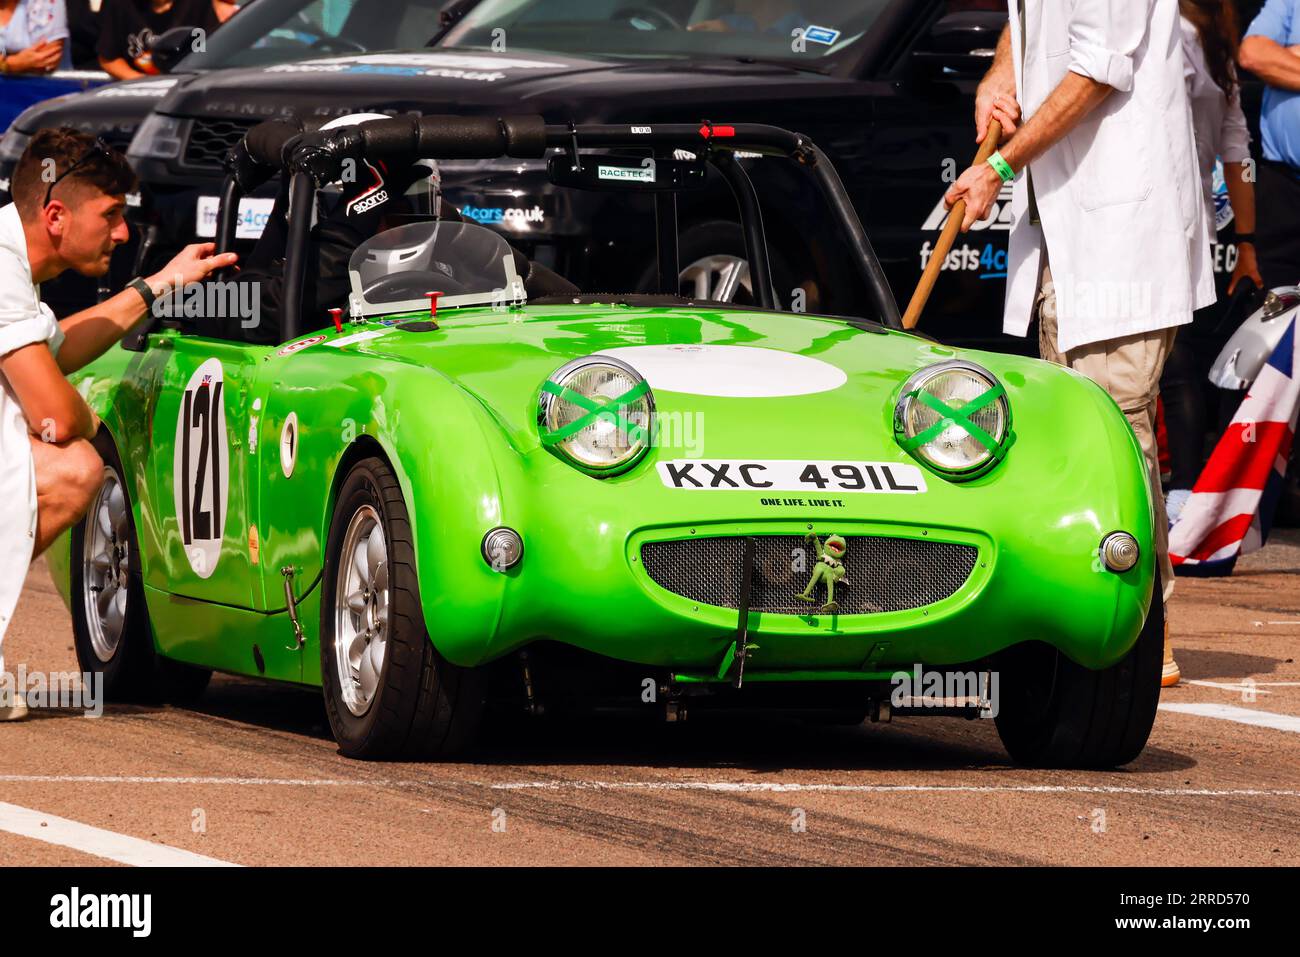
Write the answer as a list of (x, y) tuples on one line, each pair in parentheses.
[(1231, 508)]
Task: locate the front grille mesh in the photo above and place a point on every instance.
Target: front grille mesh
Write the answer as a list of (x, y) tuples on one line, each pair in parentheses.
[(883, 574), (211, 139)]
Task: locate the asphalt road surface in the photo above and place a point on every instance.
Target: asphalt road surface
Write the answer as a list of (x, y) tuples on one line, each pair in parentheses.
[(250, 776)]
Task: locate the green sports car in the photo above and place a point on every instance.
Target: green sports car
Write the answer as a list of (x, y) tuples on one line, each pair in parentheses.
[(518, 492)]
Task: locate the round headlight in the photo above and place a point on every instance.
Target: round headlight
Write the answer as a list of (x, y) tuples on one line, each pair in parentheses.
[(597, 412), (954, 416)]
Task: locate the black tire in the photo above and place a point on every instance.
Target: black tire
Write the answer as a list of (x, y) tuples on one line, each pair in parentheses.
[(133, 671), (423, 706), (1056, 713), (721, 238), (842, 718)]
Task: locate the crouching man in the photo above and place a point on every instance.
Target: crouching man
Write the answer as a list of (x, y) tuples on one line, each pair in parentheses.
[(69, 194)]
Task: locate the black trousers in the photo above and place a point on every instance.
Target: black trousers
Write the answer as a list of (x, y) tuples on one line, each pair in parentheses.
[(1277, 228), (1194, 409)]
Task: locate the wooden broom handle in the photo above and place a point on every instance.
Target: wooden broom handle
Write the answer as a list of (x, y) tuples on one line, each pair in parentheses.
[(947, 237)]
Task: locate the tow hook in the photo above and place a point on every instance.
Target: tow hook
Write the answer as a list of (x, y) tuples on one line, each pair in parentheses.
[(300, 638), (986, 709), (534, 706)]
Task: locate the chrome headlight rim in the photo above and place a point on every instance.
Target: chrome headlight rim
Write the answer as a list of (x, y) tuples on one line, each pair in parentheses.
[(908, 394), (546, 400)]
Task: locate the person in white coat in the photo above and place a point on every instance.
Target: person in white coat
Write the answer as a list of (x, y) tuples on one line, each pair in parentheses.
[(1210, 37), (1108, 244)]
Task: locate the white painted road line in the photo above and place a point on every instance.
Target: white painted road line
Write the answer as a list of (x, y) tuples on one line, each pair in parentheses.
[(133, 779), (94, 840), (748, 786), (1227, 712), (1247, 684), (733, 786), (1235, 688)]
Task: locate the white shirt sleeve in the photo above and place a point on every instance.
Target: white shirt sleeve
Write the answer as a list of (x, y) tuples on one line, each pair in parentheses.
[(1234, 135), (1104, 34), (47, 20), (24, 319), (1191, 53)]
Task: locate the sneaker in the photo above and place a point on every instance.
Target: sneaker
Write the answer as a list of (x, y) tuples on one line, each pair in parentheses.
[(1170, 675)]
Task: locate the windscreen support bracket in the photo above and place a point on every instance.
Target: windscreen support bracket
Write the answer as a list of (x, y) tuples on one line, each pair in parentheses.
[(751, 218), (302, 197), (575, 158), (228, 220), (669, 281)]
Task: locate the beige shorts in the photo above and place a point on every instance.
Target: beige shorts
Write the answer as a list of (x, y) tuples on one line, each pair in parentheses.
[(1129, 369)]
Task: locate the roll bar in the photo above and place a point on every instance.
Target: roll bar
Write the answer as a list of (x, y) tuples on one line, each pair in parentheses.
[(315, 158)]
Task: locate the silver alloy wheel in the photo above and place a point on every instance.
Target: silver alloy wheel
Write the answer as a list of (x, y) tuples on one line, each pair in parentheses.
[(361, 610), (106, 552), (716, 278)]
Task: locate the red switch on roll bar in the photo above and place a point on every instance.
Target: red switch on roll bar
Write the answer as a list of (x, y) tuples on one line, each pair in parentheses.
[(337, 315)]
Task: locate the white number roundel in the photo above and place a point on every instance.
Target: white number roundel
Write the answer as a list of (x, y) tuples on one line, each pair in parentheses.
[(202, 468)]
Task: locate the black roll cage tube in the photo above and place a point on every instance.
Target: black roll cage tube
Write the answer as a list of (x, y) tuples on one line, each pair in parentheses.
[(715, 144)]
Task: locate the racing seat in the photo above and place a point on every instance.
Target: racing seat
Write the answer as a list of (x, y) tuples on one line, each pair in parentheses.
[(348, 221)]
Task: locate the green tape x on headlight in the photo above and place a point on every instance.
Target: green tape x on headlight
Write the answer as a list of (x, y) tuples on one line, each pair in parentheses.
[(598, 413), (954, 417)]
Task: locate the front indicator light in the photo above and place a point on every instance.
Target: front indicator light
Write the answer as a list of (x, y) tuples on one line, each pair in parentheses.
[(1119, 551), (503, 549)]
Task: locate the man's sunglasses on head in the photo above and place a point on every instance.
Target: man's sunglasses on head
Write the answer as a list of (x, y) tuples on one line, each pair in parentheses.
[(99, 148)]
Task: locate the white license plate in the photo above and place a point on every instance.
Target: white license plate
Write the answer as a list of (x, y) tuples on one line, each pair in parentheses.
[(793, 475), (254, 211)]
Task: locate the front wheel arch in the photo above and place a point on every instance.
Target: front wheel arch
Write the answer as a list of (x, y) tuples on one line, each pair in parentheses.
[(449, 455), (419, 705), (363, 447)]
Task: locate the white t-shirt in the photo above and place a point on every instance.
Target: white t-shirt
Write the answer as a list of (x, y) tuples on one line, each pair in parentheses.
[(24, 319), (1219, 123)]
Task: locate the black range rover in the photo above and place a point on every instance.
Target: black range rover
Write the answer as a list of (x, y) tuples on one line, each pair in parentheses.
[(884, 86), (261, 33)]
